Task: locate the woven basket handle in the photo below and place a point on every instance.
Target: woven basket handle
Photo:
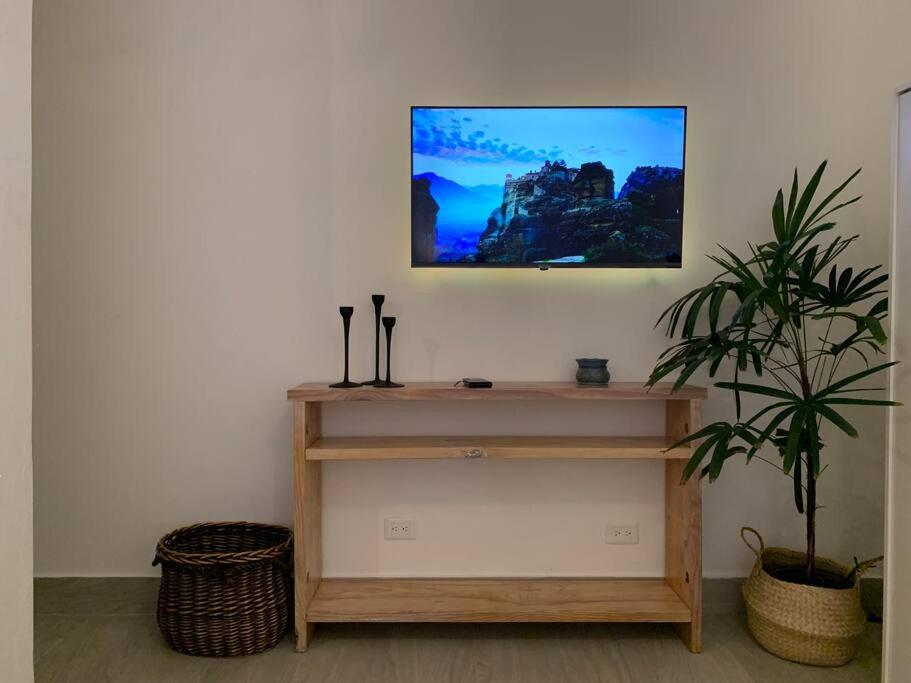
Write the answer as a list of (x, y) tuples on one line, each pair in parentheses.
[(861, 567), (743, 531)]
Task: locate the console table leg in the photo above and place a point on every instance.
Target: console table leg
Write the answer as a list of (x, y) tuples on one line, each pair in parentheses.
[(308, 557), (683, 525)]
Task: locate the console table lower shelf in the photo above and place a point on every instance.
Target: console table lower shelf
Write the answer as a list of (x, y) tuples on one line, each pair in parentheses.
[(675, 598), (496, 600)]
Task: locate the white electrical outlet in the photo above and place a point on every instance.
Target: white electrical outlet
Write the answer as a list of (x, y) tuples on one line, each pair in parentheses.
[(395, 529), (621, 535)]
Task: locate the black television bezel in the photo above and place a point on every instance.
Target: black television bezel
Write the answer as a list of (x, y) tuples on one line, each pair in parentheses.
[(545, 266)]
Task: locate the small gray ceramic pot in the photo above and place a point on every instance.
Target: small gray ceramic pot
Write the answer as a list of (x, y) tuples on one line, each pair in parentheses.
[(592, 371)]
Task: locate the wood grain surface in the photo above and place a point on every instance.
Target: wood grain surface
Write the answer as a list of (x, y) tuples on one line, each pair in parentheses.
[(496, 600), (513, 391), (540, 447)]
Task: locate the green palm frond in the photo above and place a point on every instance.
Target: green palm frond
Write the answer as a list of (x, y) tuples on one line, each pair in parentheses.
[(752, 318)]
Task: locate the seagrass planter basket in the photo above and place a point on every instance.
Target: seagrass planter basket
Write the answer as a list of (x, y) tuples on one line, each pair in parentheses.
[(800, 623), (225, 588)]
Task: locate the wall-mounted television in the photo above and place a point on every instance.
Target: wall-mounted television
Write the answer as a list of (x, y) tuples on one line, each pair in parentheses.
[(547, 186)]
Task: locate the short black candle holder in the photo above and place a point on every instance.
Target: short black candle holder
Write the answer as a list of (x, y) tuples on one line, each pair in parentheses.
[(378, 300), (388, 323), (346, 313)]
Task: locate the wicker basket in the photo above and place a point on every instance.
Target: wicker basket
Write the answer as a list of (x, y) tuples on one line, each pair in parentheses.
[(225, 588), (805, 624)]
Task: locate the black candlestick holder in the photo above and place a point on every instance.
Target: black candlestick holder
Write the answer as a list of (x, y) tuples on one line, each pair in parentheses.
[(346, 313), (388, 323), (378, 300)]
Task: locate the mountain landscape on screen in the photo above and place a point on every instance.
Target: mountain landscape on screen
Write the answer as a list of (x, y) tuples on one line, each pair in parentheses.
[(540, 187)]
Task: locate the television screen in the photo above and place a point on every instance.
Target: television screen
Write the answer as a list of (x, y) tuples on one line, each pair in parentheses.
[(547, 186)]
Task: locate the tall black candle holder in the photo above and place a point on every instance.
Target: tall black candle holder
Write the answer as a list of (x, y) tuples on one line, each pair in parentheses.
[(388, 323), (378, 300), (346, 313)]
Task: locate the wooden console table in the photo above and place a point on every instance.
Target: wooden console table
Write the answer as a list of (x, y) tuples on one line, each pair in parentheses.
[(676, 598)]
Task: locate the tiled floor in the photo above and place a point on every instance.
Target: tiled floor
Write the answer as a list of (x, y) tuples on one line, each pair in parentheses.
[(96, 630)]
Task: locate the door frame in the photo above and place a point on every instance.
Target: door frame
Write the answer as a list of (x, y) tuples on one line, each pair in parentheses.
[(890, 496)]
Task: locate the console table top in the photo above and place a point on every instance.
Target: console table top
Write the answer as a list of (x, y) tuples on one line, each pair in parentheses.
[(445, 391)]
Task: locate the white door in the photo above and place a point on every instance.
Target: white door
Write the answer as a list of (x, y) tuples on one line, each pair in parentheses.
[(897, 653)]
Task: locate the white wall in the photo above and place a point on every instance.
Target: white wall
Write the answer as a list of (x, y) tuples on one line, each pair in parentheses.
[(15, 342), (897, 657), (214, 178)]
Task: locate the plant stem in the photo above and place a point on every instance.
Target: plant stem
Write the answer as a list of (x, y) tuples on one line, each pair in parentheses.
[(807, 391), (811, 524), (820, 359)]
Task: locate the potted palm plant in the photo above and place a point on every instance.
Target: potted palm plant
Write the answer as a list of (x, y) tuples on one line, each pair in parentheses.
[(784, 319)]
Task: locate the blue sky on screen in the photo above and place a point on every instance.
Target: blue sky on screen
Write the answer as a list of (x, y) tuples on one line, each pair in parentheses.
[(480, 146)]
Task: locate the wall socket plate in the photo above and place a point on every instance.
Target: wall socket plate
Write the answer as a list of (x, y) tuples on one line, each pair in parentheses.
[(621, 534), (397, 529)]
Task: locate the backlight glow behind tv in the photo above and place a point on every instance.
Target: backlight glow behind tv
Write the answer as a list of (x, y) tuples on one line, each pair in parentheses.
[(547, 186)]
